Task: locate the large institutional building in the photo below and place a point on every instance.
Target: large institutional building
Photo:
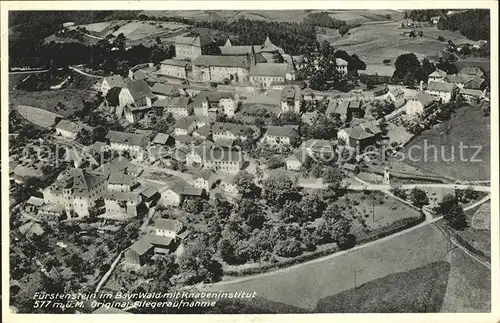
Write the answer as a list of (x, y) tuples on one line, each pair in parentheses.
[(259, 65)]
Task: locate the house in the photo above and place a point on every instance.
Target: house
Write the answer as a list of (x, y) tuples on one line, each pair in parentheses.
[(351, 168), (475, 83), (280, 135), (183, 141), (110, 82), (290, 99), (437, 76), (213, 68), (295, 161), (167, 228), (232, 131), (221, 101), (184, 126), (205, 179), (434, 20), (134, 114), (31, 229), (202, 132), (68, 129), (480, 44), (223, 160), (436, 194), (174, 68), (458, 79), (192, 47), (353, 109), (138, 75), (396, 96), (341, 66), (136, 93), (172, 196), (228, 186), (132, 143), (118, 165), (417, 104), (472, 96), (178, 106), (163, 139), (380, 90), (33, 204), (318, 148), (124, 202), (264, 74), (443, 90), (77, 190), (336, 108), (473, 71), (360, 136), (192, 193), (121, 182), (139, 252), (149, 195), (164, 91)]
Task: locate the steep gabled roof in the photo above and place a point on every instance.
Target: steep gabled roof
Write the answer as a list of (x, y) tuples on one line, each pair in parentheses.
[(68, 126), (269, 69), (441, 86), (139, 89), (115, 81), (223, 61), (125, 138), (281, 131)]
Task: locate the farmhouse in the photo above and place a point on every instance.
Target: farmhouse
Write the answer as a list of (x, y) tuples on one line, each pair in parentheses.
[(134, 114), (472, 96), (475, 83), (264, 74), (458, 79), (172, 196), (437, 76), (279, 135), (222, 160), (125, 141), (184, 126), (110, 82), (178, 106), (317, 147), (163, 91), (204, 179), (295, 161), (418, 104), (192, 47), (221, 102), (472, 70), (202, 132), (443, 90), (77, 190), (122, 203), (232, 131), (163, 139), (361, 136), (68, 129), (174, 68), (136, 93), (396, 96), (341, 66), (290, 99), (217, 68)]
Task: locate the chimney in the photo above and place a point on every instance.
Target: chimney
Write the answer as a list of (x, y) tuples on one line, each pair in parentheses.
[(421, 88)]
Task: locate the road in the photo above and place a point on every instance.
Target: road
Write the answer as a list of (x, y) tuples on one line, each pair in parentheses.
[(84, 73), (28, 72)]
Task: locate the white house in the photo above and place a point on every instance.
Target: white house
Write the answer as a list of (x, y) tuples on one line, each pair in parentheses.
[(172, 196), (221, 101), (122, 202), (290, 99), (341, 66), (230, 131), (125, 141), (417, 104), (295, 161), (279, 135), (443, 90), (68, 129), (174, 68), (396, 96), (437, 76), (167, 228), (136, 93)]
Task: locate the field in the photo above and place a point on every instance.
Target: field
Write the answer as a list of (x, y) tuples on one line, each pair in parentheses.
[(375, 42), (468, 127), (479, 239)]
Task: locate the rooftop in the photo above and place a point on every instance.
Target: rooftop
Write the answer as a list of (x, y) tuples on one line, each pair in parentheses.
[(224, 61), (115, 81), (200, 41), (165, 89), (77, 180), (125, 138), (269, 69), (281, 131), (174, 62), (139, 89), (290, 93), (161, 138), (168, 224), (68, 126), (441, 86)]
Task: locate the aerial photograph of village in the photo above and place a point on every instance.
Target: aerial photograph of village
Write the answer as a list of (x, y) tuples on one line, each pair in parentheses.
[(249, 161)]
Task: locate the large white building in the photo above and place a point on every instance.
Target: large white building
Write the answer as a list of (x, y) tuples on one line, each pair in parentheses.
[(174, 68), (417, 104), (192, 47), (443, 90), (218, 101)]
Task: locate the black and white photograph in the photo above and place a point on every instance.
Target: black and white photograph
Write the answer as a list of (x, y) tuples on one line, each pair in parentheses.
[(250, 161)]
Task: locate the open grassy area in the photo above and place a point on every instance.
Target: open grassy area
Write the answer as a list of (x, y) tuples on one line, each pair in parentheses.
[(420, 290), (471, 128), (375, 42)]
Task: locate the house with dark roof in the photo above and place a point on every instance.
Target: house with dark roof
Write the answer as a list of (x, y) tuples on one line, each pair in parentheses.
[(230, 131), (163, 91), (163, 139), (202, 132), (295, 161), (264, 74), (122, 203), (184, 126), (458, 79), (174, 68), (139, 252), (204, 179), (472, 70), (360, 136), (396, 96), (110, 82), (290, 99), (77, 190), (443, 90), (219, 101), (121, 182), (213, 68), (192, 47), (133, 143), (31, 229), (133, 113), (178, 106), (136, 93), (68, 129), (472, 96), (279, 135), (476, 83), (419, 103)]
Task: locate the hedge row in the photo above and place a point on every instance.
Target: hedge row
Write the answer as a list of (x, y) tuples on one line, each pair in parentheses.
[(468, 246), (378, 234)]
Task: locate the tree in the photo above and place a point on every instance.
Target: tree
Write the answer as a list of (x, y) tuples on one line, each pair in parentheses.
[(452, 212), (279, 188), (84, 137), (386, 62), (381, 108), (252, 213), (227, 251), (198, 265), (288, 248), (407, 65), (343, 30), (312, 205), (334, 177), (275, 161), (112, 97), (292, 212), (418, 197), (246, 185), (332, 213), (158, 40), (120, 41)]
